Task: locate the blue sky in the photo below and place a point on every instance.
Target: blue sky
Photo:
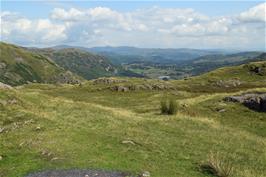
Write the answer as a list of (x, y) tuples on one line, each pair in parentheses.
[(164, 24), (41, 9)]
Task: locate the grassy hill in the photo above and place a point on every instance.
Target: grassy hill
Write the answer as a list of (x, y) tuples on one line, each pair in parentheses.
[(83, 63), (45, 126), (19, 66)]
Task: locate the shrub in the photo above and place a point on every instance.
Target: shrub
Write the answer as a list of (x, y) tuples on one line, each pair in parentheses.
[(168, 107), (164, 107), (172, 107), (217, 165)]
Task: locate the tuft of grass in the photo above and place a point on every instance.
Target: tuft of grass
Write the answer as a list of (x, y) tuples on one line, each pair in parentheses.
[(217, 165), (172, 107), (169, 107), (164, 107)]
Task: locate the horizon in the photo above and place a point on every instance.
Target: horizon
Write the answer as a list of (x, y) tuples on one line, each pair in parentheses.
[(78, 47), (147, 24)]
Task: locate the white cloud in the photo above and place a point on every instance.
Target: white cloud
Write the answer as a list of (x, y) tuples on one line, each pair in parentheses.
[(255, 14), (26, 31), (149, 27)]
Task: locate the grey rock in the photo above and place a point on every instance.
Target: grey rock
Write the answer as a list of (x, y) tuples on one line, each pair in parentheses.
[(254, 101)]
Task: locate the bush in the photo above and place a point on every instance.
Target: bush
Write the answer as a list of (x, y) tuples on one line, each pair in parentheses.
[(172, 107), (218, 166), (164, 107), (168, 107)]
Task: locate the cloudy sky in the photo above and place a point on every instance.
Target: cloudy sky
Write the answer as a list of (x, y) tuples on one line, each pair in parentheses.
[(175, 24)]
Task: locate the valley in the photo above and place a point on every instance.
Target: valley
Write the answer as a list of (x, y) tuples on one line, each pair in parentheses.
[(89, 125)]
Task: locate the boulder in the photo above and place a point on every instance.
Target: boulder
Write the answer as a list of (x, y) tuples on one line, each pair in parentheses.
[(5, 86), (254, 101)]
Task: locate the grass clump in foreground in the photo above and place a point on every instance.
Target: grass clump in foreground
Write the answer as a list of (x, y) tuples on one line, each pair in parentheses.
[(217, 165), (169, 107)]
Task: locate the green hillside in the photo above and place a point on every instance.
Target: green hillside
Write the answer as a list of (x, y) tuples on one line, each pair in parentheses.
[(91, 126), (228, 78), (19, 66), (83, 63)]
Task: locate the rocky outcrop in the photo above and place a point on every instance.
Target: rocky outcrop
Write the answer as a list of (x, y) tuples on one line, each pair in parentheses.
[(228, 83), (5, 86), (137, 87), (110, 80), (254, 101), (67, 78)]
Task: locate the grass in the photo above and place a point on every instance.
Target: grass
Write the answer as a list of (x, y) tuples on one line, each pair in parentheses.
[(217, 165), (67, 126), (84, 128)]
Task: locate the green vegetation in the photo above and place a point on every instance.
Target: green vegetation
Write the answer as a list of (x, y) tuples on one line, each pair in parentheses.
[(69, 126), (19, 66), (83, 63), (181, 69), (169, 107), (217, 165), (63, 126)]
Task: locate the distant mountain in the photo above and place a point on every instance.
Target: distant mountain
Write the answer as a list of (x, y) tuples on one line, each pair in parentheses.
[(124, 54), (210, 62), (119, 55), (20, 66)]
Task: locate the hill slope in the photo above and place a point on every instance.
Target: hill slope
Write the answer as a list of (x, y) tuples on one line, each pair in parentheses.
[(84, 63), (19, 66), (46, 126)]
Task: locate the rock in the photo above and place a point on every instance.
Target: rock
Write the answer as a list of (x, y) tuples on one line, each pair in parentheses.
[(128, 142), (1, 158), (12, 101), (2, 130), (5, 86), (145, 174), (109, 80), (120, 88), (254, 101), (38, 128), (220, 109), (228, 83)]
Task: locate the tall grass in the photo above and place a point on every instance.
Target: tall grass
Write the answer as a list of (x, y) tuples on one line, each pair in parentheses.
[(217, 165), (169, 107)]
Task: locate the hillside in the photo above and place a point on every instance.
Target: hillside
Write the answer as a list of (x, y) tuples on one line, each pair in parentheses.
[(92, 126), (228, 78), (19, 66), (83, 63)]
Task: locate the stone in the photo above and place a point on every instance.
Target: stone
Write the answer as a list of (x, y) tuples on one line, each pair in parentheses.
[(38, 128), (128, 142), (254, 101), (5, 86), (145, 174), (2, 130)]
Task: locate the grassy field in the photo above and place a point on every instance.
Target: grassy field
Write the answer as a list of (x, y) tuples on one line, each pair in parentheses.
[(65, 127)]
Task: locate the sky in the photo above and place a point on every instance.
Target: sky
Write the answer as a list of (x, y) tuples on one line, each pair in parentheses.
[(149, 24)]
